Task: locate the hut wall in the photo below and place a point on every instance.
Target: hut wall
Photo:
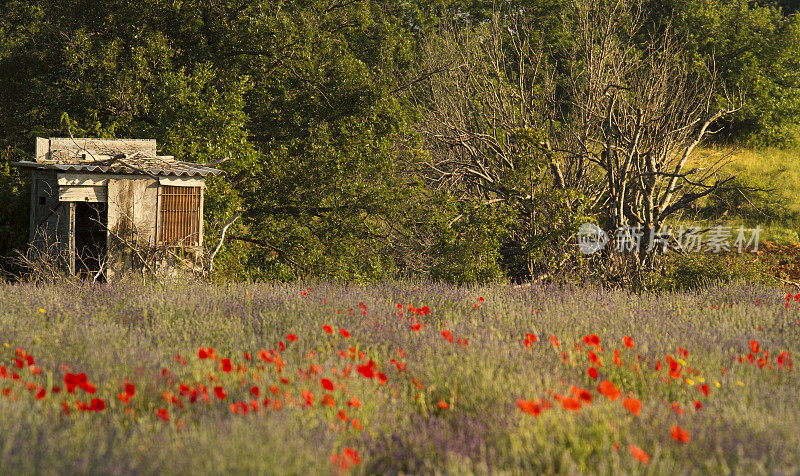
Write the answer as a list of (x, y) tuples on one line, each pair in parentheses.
[(49, 217), (132, 216)]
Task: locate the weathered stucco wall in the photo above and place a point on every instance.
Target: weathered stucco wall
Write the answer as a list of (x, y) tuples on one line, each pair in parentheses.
[(49, 218), (132, 217)]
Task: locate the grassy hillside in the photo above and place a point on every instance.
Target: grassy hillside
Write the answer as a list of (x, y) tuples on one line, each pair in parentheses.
[(772, 200), (315, 378)]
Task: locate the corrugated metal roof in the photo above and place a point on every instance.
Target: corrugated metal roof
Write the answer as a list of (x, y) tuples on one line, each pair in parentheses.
[(118, 156), (174, 168)]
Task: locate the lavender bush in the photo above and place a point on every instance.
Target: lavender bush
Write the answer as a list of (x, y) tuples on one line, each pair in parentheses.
[(396, 396)]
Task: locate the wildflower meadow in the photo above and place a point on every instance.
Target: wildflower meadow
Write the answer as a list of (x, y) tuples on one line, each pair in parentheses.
[(320, 378)]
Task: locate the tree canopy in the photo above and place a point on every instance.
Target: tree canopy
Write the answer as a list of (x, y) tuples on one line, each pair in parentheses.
[(320, 104)]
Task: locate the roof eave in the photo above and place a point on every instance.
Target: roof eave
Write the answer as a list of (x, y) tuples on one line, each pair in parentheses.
[(192, 171)]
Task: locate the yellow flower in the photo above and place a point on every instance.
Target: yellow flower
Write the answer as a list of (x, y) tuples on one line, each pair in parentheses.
[(680, 361), (716, 384), (6, 344), (701, 380), (740, 383), (690, 381), (41, 310)]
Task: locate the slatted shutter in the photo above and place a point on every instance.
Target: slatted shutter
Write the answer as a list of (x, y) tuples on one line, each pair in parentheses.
[(180, 215)]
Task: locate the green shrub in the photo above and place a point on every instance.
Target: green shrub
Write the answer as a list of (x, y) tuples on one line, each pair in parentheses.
[(693, 271)]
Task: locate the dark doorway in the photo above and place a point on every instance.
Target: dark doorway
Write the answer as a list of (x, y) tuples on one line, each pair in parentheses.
[(90, 238)]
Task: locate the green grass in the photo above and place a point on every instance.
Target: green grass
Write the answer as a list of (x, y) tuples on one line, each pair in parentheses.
[(132, 332), (775, 206)]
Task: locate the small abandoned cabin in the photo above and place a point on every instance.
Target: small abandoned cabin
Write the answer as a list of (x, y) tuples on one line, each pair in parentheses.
[(102, 207)]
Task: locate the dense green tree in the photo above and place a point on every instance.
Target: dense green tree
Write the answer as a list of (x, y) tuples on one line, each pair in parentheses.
[(754, 45), (318, 103), (302, 95)]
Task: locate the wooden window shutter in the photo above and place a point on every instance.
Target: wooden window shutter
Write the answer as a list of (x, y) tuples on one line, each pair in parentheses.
[(180, 215)]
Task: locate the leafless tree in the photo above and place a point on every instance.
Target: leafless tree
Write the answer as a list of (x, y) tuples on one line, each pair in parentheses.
[(619, 125), (478, 109), (637, 111)]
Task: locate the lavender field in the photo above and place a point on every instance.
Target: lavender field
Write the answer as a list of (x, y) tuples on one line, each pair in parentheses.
[(317, 378)]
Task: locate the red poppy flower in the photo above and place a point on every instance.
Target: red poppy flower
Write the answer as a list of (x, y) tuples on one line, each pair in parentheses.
[(679, 434), (328, 400), (339, 462), (226, 365), (344, 333), (35, 369), (678, 410), (447, 335), (480, 299), (220, 393), (571, 404), (617, 360), (308, 397), (163, 414), (130, 389), (443, 405), (785, 360), (353, 402), (698, 405), (416, 327), (634, 405), (366, 371), (554, 340), (327, 329), (97, 405), (674, 367), (704, 389), (326, 384), (609, 390), (639, 454), (201, 353), (754, 346), (529, 406), (581, 394), (342, 415), (627, 342), (41, 393), (351, 455), (592, 372), (530, 339)]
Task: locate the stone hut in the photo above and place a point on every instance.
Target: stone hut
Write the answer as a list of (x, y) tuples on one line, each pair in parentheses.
[(102, 207)]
